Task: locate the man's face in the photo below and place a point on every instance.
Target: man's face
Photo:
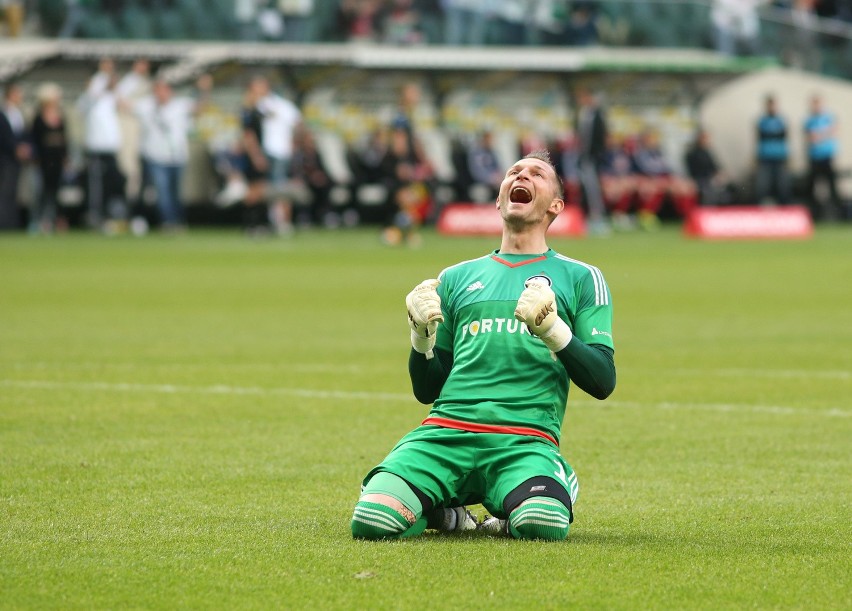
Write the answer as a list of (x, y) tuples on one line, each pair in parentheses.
[(260, 87), (15, 96), (162, 92), (816, 105), (528, 192)]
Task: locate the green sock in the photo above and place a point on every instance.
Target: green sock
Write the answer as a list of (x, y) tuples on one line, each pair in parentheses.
[(540, 518)]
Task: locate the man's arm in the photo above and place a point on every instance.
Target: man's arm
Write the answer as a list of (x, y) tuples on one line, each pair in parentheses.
[(428, 375), (428, 366), (590, 366)]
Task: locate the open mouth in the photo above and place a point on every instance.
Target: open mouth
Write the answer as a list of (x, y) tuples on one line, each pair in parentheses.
[(520, 195)]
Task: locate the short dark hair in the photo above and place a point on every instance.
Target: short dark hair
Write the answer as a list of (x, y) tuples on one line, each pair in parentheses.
[(544, 155)]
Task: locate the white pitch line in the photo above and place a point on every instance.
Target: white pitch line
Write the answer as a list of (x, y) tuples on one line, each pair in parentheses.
[(312, 393), (831, 374), (218, 389), (769, 373)]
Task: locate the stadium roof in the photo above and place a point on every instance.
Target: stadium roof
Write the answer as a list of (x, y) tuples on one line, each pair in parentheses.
[(190, 58)]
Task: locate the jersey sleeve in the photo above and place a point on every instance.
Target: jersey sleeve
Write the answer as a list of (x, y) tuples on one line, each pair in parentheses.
[(593, 315), (445, 337)]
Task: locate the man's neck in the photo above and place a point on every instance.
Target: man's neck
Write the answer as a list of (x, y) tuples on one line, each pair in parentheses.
[(522, 243)]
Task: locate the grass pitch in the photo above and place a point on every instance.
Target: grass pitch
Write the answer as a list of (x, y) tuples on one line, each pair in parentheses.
[(184, 422)]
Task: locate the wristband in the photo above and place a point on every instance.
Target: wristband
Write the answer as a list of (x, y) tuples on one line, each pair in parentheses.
[(558, 336), (423, 345)]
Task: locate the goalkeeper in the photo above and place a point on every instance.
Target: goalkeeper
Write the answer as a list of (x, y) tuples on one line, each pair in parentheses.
[(496, 342)]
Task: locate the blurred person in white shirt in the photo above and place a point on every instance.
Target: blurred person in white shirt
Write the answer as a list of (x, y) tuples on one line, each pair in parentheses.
[(165, 121), (280, 121), (736, 26), (103, 138)]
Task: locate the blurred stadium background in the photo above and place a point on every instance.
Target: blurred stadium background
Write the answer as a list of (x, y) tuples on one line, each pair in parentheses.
[(185, 421), (658, 65)]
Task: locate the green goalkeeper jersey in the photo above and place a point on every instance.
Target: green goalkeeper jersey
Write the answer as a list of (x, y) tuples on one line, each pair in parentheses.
[(502, 376)]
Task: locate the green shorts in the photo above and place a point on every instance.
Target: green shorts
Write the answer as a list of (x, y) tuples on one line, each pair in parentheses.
[(454, 467)]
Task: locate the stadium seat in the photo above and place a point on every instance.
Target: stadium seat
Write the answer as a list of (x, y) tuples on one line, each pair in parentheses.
[(137, 23), (168, 25), (694, 25), (99, 26), (638, 14), (205, 26), (222, 14), (204, 20)]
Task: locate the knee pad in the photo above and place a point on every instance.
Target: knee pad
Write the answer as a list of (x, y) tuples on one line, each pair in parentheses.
[(399, 516), (540, 517)]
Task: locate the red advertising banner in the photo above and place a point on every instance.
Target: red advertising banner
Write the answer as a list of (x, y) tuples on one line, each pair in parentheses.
[(749, 222), (484, 219)]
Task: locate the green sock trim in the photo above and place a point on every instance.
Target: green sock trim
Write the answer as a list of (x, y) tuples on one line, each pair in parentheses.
[(377, 521), (540, 518)]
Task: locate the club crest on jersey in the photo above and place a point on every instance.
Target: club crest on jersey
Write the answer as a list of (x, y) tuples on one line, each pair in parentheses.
[(540, 277)]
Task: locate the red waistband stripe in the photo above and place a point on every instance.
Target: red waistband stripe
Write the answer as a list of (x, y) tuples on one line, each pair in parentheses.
[(473, 427)]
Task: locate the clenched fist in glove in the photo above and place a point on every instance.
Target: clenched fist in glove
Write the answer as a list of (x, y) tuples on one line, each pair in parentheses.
[(537, 308), (424, 314)]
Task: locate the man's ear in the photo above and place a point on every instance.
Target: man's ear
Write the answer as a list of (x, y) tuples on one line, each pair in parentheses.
[(556, 207)]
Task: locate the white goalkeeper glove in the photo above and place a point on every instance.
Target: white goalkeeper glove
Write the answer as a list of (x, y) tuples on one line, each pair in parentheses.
[(424, 314), (537, 308)]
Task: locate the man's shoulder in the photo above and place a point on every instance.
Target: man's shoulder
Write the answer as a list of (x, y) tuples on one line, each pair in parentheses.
[(460, 268), (576, 268), (581, 274)]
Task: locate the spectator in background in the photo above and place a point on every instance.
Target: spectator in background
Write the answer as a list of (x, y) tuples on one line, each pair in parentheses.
[(484, 167), (76, 12), (407, 102), (246, 15), (802, 49), (465, 22), (254, 164), (165, 121), (310, 172), (582, 28), (657, 182), (400, 23), (404, 119), (298, 19), (431, 16), (50, 150), (13, 13), (618, 181), (591, 129), (370, 182), (713, 183), (772, 178), (821, 137), (547, 23), (736, 26), (367, 162), (510, 21), (409, 200), (14, 151), (99, 105), (566, 158), (270, 22), (358, 19), (280, 119)]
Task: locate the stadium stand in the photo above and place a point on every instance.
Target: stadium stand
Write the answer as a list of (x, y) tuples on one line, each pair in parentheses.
[(654, 66)]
